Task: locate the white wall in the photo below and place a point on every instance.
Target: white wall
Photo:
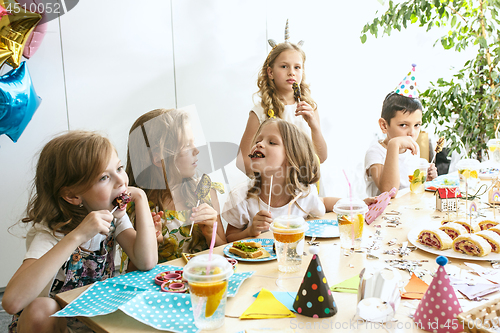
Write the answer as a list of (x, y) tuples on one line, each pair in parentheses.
[(123, 60)]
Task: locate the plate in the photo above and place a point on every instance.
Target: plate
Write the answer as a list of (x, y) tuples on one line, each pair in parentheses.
[(413, 236), (448, 180), (267, 243), (323, 228)]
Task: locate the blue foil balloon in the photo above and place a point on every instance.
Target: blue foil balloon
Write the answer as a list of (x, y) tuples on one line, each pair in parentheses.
[(18, 102)]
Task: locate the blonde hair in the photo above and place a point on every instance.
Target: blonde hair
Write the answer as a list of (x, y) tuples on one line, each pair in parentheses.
[(268, 92), (159, 134), (73, 160), (302, 165)]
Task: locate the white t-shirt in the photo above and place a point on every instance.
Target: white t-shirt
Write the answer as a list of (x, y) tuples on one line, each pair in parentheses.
[(288, 115), (376, 154), (239, 210), (40, 239)]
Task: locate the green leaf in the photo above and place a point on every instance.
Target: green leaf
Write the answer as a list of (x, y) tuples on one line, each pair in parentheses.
[(483, 42), (363, 39)]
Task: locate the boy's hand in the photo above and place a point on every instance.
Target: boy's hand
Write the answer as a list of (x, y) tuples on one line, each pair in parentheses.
[(432, 172), (404, 143), (309, 115), (370, 201), (261, 222)]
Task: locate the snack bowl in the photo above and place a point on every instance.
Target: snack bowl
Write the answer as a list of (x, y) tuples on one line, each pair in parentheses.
[(174, 286), (167, 276)]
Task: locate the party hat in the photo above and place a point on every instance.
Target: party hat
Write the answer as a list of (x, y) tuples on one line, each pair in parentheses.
[(439, 307), (314, 298), (408, 87)]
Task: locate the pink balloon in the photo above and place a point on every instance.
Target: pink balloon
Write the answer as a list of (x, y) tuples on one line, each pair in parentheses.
[(36, 37)]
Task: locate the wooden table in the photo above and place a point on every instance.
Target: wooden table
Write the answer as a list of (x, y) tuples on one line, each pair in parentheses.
[(415, 210)]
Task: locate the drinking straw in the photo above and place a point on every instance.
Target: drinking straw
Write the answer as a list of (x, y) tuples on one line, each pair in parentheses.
[(447, 204), (350, 202), (270, 192), (466, 197), (212, 244), (290, 208)]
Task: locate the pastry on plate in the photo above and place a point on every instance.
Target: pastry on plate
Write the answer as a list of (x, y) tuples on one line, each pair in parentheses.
[(437, 239), (453, 229), (472, 244), (468, 225), (492, 237), (485, 224)]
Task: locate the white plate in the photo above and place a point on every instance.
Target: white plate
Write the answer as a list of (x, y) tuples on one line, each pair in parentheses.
[(413, 236), (267, 243)]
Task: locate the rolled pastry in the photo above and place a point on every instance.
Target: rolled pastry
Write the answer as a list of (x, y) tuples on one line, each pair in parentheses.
[(467, 225), (492, 237), (453, 229), (471, 244), (486, 224), (437, 239), (495, 229)]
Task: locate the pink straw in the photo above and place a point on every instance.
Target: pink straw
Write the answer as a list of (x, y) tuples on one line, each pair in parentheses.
[(350, 199), (270, 192), (212, 244)]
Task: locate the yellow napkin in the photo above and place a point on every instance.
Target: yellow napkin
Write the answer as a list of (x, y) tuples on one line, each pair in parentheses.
[(266, 306), (350, 285)]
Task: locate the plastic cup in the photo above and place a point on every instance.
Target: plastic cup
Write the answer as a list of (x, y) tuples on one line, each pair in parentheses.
[(418, 175), (350, 222), (289, 234), (208, 287), (468, 174), (494, 150)]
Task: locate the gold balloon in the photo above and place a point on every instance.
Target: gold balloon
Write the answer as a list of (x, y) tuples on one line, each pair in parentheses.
[(4, 55), (15, 29)]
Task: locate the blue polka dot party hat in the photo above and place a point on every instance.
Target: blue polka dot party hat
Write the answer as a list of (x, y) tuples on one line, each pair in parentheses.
[(439, 308), (408, 87), (314, 298)]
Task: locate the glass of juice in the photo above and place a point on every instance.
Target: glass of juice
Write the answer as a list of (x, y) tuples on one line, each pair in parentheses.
[(468, 174), (418, 175), (288, 231), (351, 219), (494, 150), (208, 288)]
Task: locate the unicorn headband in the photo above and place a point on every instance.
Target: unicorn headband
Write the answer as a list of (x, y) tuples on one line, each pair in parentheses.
[(273, 43)]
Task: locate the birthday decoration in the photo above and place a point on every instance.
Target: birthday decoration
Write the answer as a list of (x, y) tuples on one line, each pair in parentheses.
[(18, 102), (408, 87), (36, 37), (374, 210), (15, 29), (439, 304), (314, 298)]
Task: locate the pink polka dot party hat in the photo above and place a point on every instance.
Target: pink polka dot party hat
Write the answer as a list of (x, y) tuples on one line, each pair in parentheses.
[(408, 87), (314, 298), (439, 308)]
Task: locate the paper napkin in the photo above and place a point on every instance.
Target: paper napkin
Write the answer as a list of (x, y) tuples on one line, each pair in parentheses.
[(350, 285), (266, 306), (284, 297), (415, 289)]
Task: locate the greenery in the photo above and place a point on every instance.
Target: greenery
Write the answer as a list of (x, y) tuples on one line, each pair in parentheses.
[(472, 96)]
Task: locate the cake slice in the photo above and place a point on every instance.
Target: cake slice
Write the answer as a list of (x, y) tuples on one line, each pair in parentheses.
[(492, 238), (437, 239), (453, 229), (472, 244)]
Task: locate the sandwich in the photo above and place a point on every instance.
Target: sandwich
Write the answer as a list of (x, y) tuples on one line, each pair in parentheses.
[(247, 249)]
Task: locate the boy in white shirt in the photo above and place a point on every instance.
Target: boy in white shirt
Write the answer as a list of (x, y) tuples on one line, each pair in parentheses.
[(387, 161)]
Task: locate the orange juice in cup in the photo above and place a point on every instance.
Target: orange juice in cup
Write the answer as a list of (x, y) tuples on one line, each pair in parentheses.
[(351, 222), (468, 174), (288, 231), (208, 287)]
